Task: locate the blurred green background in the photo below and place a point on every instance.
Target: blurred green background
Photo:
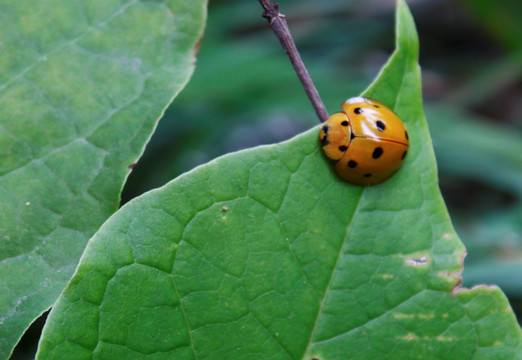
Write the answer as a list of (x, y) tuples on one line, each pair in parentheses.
[(244, 92)]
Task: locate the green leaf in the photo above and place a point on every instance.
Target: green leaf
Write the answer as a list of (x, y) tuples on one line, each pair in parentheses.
[(82, 85), (266, 254)]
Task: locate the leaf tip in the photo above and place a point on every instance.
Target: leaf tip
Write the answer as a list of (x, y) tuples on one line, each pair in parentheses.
[(406, 32)]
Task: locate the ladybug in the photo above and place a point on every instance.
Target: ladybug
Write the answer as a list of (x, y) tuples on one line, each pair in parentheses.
[(368, 141)]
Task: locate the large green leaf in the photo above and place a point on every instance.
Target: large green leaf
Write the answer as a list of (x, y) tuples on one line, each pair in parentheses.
[(82, 85), (266, 254)]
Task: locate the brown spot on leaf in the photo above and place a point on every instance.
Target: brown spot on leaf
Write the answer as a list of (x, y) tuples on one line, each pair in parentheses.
[(196, 47)]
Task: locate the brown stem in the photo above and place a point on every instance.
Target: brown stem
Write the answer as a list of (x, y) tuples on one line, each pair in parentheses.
[(278, 24)]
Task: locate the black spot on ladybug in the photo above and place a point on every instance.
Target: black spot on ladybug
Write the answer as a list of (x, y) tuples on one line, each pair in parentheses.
[(367, 175), (352, 164), (376, 106), (377, 153), (404, 154), (343, 148), (352, 136), (344, 123), (380, 125), (325, 129), (324, 141), (357, 110), (407, 137)]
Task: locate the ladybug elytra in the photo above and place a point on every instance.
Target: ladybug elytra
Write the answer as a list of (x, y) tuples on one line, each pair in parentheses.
[(367, 139)]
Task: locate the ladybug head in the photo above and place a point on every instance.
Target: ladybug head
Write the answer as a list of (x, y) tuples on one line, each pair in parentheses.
[(335, 135)]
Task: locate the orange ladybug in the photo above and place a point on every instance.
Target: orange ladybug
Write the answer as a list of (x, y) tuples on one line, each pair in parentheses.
[(367, 139)]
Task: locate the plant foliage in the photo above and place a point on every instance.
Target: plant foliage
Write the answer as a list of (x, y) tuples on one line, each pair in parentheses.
[(265, 253)]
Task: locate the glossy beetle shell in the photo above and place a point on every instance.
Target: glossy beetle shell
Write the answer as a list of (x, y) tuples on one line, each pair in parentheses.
[(368, 140)]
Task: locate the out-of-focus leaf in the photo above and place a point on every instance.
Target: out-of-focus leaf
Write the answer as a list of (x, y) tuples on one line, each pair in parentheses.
[(494, 244), (82, 85), (476, 149), (503, 18), (266, 254), (505, 273), (487, 81), (490, 155)]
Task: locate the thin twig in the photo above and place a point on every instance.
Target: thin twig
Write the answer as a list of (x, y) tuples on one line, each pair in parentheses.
[(278, 24)]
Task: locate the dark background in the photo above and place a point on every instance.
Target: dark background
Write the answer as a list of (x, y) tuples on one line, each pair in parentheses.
[(244, 93)]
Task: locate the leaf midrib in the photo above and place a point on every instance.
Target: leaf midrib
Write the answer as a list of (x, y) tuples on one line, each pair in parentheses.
[(396, 53), (320, 310)]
